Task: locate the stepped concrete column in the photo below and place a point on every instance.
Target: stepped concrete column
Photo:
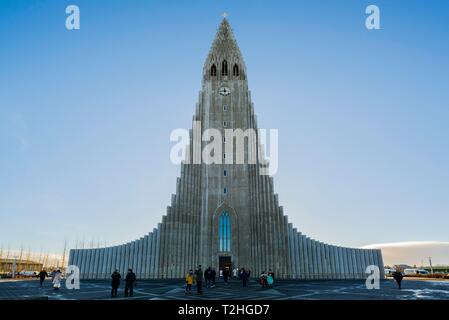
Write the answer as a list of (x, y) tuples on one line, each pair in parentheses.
[(81, 263), (158, 249), (101, 258), (327, 262), (126, 264), (318, 260), (152, 254), (301, 256), (305, 247), (113, 262), (101, 263), (340, 263), (143, 258), (363, 260), (138, 258), (291, 250), (97, 262), (89, 266), (120, 258), (309, 259), (73, 257), (350, 264), (298, 255), (323, 261), (108, 269), (381, 264), (85, 263), (333, 253)]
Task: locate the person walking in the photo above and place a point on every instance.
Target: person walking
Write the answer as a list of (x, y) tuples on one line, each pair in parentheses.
[(397, 276), (42, 275), (263, 279), (57, 280), (226, 275), (52, 275), (270, 278), (270, 281), (213, 275), (199, 280), (189, 281), (243, 277), (234, 273), (115, 282), (130, 281), (208, 277)]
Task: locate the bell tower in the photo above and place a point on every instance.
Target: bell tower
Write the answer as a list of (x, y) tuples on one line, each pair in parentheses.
[(225, 61), (225, 105)]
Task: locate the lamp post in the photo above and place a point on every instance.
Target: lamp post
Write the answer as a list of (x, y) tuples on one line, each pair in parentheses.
[(430, 262), (14, 266)]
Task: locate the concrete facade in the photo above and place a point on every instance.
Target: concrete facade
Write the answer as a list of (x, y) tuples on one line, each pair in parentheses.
[(194, 231)]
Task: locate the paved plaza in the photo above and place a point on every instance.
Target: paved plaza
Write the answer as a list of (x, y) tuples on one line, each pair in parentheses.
[(284, 290)]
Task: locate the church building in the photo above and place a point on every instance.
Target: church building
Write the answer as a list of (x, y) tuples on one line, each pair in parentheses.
[(225, 215)]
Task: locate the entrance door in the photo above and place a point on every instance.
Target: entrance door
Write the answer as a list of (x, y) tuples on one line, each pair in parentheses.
[(224, 262)]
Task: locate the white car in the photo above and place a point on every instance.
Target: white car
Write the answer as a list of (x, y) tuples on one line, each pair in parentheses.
[(28, 273), (414, 272), (389, 272)]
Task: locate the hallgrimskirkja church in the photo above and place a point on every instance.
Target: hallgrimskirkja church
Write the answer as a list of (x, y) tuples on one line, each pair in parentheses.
[(225, 215)]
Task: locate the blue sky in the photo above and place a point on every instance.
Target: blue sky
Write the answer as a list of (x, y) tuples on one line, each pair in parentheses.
[(85, 116)]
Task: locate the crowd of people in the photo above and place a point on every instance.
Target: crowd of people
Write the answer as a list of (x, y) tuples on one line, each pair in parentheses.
[(56, 277), (209, 275), (192, 277), (266, 279)]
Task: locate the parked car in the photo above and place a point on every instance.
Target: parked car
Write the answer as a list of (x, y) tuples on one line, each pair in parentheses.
[(27, 274), (389, 272), (415, 272)]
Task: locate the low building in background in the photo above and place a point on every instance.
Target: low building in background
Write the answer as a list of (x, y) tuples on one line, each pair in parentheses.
[(19, 267)]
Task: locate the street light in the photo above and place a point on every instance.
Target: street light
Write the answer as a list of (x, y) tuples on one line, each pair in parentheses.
[(430, 262), (14, 266)]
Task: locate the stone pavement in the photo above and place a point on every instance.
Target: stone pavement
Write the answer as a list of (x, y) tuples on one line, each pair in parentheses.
[(172, 289)]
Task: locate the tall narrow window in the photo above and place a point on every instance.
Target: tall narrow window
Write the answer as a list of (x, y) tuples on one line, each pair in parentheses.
[(224, 68), (225, 173), (225, 231), (235, 70), (213, 71)]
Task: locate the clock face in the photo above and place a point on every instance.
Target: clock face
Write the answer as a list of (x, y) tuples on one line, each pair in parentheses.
[(224, 91)]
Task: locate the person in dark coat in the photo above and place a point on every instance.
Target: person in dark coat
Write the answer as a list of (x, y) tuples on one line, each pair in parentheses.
[(130, 282), (226, 275), (208, 277), (42, 275), (397, 276), (213, 275), (243, 277), (199, 279), (115, 282)]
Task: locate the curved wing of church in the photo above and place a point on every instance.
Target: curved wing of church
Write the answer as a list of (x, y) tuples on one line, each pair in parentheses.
[(225, 215)]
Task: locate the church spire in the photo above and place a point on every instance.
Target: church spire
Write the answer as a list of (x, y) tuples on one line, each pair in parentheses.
[(225, 60)]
